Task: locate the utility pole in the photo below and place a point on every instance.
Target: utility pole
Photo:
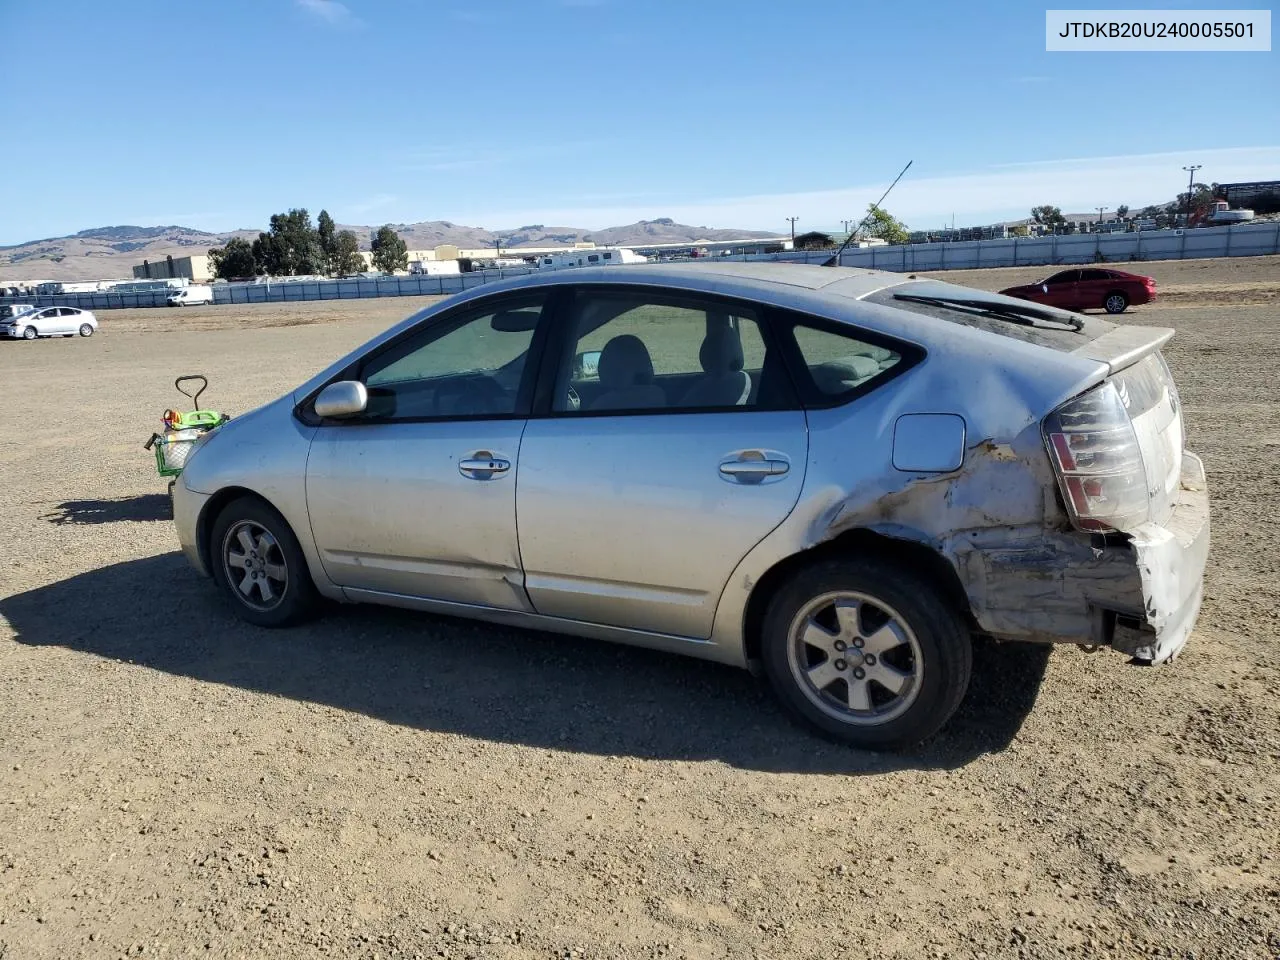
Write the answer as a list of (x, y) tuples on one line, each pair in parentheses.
[(846, 225), (1101, 211), (792, 221), (1191, 179)]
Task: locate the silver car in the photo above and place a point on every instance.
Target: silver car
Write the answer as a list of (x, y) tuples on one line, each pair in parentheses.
[(837, 476), (49, 322)]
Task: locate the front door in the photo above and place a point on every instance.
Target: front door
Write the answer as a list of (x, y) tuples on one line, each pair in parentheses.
[(673, 445), (1061, 289), (417, 497)]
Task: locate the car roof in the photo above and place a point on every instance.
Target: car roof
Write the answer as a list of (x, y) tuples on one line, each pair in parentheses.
[(768, 273)]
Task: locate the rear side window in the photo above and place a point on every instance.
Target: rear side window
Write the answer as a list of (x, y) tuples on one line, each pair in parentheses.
[(838, 363), (832, 363)]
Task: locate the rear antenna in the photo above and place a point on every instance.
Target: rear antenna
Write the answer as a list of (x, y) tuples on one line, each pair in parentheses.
[(835, 258)]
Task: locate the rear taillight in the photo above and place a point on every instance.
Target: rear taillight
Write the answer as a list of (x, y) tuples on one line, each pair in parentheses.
[(1098, 461)]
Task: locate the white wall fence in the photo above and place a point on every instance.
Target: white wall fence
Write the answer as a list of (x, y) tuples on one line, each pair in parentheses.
[(288, 291), (1240, 240)]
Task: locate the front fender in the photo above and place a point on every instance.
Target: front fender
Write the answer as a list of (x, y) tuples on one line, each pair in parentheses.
[(263, 452)]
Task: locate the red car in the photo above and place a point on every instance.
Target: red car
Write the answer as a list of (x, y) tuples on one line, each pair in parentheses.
[(1088, 288)]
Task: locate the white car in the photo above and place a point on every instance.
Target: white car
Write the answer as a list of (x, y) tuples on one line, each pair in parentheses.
[(50, 322)]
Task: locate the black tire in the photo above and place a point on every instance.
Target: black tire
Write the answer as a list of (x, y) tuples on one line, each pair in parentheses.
[(29, 333), (297, 600), (939, 674), (1115, 302), (86, 330)]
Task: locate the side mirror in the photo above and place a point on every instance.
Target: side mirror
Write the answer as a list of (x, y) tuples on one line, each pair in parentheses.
[(346, 398), (586, 366)]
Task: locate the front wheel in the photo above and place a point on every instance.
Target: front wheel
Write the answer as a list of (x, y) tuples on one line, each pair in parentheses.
[(86, 330), (868, 653), (1115, 303), (29, 333), (257, 560)]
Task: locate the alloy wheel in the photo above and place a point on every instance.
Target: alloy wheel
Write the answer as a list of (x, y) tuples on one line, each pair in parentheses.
[(855, 658), (255, 565)]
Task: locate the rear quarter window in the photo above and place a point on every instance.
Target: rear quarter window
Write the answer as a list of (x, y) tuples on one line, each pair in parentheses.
[(836, 363)]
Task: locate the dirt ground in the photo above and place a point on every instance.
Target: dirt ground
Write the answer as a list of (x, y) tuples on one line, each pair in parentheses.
[(385, 784)]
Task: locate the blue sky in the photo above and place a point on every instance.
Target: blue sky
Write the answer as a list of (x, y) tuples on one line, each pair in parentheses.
[(593, 113)]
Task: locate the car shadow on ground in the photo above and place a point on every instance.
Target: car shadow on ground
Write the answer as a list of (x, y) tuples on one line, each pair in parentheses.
[(149, 506), (489, 682)]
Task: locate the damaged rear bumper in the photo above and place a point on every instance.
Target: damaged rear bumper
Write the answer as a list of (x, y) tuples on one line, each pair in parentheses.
[(1140, 596), (1171, 560)]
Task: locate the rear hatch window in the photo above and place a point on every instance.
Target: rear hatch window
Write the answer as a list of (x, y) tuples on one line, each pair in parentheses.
[(1066, 332)]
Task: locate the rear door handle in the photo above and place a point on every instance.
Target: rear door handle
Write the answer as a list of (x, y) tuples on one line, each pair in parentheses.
[(753, 471), (482, 466)]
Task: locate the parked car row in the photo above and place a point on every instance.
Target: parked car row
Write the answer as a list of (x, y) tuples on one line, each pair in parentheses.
[(24, 322)]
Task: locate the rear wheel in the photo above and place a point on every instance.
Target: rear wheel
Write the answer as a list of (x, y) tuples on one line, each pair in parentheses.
[(868, 653), (29, 333), (1116, 302), (258, 561), (86, 330)]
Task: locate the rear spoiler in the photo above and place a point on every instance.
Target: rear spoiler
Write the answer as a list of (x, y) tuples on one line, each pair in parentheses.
[(1125, 346)]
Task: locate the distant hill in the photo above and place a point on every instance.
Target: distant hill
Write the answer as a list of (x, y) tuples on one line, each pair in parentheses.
[(111, 252)]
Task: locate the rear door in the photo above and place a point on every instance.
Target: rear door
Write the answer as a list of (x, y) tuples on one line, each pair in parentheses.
[(669, 444), (417, 497), (1093, 287)]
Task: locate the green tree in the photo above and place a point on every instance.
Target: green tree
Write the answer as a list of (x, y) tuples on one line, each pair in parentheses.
[(1202, 198), (1122, 211), (325, 237), (389, 251), (880, 223), (291, 247), (234, 260), (346, 254), (1048, 216)]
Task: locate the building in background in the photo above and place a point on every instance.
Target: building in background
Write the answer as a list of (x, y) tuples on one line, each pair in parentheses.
[(1253, 194), (195, 267)]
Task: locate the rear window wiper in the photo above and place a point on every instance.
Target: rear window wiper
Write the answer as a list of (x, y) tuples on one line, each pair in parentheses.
[(1027, 316)]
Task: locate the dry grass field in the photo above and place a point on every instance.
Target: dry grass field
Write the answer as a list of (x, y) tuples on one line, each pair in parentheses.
[(383, 784)]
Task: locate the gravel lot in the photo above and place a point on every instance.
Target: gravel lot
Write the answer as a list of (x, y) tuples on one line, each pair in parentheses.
[(382, 784)]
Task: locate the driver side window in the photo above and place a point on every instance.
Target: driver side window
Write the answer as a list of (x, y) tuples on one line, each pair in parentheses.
[(468, 366)]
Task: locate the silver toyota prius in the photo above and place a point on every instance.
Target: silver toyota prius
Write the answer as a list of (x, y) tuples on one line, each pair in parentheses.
[(835, 476)]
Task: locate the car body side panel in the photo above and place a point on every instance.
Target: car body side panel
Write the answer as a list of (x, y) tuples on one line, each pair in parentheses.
[(628, 520), (391, 511)]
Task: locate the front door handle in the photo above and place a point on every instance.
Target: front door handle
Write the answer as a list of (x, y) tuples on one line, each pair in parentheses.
[(483, 465), (753, 471)]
